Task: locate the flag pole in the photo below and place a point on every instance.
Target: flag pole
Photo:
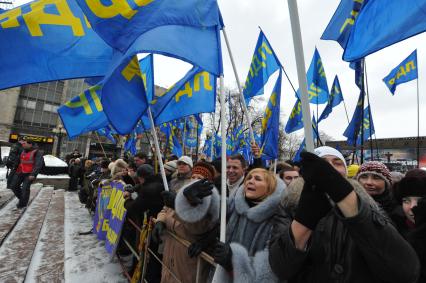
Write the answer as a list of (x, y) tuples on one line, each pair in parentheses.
[(157, 150), (369, 112), (346, 111), (223, 169), (301, 73), (246, 114), (418, 125), (100, 143)]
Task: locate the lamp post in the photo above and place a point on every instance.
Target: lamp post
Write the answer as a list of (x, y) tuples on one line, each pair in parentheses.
[(59, 132)]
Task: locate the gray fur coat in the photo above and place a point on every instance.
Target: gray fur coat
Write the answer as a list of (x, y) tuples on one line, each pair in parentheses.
[(248, 232)]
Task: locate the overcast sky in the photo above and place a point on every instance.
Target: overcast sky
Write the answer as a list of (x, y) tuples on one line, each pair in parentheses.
[(393, 116)]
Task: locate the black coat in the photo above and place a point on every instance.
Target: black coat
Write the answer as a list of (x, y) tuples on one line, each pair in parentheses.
[(364, 248), (14, 156), (149, 199)]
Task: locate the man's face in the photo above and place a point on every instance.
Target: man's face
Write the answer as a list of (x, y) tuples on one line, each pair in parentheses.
[(290, 176), (183, 168), (337, 163), (26, 145), (234, 170), (139, 161)]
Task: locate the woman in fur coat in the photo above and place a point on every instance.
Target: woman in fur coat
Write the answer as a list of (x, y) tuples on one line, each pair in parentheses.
[(244, 255)]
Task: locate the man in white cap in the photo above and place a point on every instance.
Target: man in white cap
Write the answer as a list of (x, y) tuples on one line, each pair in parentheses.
[(334, 157), (184, 170)]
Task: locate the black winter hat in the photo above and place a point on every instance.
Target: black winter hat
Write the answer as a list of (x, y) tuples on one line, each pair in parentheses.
[(145, 170), (411, 187)]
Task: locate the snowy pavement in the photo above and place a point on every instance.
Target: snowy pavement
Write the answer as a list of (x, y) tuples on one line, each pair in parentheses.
[(43, 242)]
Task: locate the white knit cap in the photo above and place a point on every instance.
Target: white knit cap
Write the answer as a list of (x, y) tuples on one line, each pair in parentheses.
[(187, 160), (326, 150)]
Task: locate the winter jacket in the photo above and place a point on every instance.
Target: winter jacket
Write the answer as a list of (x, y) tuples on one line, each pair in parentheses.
[(38, 162), (386, 202), (14, 156), (364, 248), (148, 200), (248, 231), (175, 255), (417, 239), (181, 180)]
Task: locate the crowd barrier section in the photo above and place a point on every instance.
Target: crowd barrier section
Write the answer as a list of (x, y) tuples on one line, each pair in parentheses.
[(108, 221)]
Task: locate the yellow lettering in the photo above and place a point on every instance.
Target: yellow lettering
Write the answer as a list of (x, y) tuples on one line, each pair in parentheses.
[(187, 91), (206, 81), (11, 17), (96, 99), (366, 123), (117, 7), (112, 199), (255, 66), (83, 102), (131, 70), (410, 66), (313, 91), (105, 225), (320, 68), (112, 236), (401, 72), (267, 50), (144, 81), (38, 17), (296, 110), (391, 81)]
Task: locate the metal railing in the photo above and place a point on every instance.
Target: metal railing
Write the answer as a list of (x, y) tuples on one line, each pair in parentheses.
[(147, 254)]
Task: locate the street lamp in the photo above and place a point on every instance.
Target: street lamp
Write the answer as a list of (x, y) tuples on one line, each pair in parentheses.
[(59, 132)]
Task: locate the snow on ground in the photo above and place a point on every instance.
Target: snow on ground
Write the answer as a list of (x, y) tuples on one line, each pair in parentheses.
[(86, 259), (59, 176), (53, 161)]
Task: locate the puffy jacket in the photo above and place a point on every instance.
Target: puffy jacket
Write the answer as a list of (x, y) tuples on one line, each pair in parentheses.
[(364, 248)]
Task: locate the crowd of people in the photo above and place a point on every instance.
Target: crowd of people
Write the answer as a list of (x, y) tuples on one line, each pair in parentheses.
[(318, 220)]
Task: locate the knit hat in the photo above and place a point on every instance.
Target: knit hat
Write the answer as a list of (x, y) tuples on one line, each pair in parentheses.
[(352, 170), (145, 170), (171, 166), (326, 150), (376, 168), (187, 160), (204, 169)]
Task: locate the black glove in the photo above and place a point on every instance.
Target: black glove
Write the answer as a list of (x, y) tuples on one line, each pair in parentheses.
[(169, 198), (313, 205), (158, 231), (318, 172), (197, 191), (222, 255), (207, 240), (419, 212)]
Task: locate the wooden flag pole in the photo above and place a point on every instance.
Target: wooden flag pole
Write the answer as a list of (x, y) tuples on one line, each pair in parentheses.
[(301, 73), (157, 150)]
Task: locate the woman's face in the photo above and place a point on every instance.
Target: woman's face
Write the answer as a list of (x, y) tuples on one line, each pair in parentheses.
[(255, 185), (373, 184), (196, 176), (407, 205)]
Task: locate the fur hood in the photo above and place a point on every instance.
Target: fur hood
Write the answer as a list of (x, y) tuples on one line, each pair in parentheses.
[(291, 200), (264, 209), (117, 166)]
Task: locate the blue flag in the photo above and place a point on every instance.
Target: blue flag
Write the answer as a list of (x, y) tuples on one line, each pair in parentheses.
[(263, 64), (147, 71), (83, 113), (172, 143), (238, 139), (123, 95), (302, 146), (108, 133), (271, 123), (49, 40), (317, 81), (295, 121), (187, 30), (340, 26), (368, 126), (353, 129), (130, 144), (382, 23), (194, 93), (335, 98), (404, 72), (207, 148)]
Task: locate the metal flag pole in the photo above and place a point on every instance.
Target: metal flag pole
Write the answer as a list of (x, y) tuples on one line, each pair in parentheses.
[(418, 125), (369, 113), (301, 73), (240, 89), (157, 150), (223, 154)]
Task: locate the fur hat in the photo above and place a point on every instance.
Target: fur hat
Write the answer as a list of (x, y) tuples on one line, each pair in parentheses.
[(410, 187), (326, 150), (204, 169), (117, 167), (376, 168), (171, 166)]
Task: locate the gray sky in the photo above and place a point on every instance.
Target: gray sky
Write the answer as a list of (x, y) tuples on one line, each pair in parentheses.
[(393, 116)]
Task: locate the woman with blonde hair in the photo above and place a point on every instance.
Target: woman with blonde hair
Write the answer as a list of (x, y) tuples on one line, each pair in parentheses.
[(244, 255)]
